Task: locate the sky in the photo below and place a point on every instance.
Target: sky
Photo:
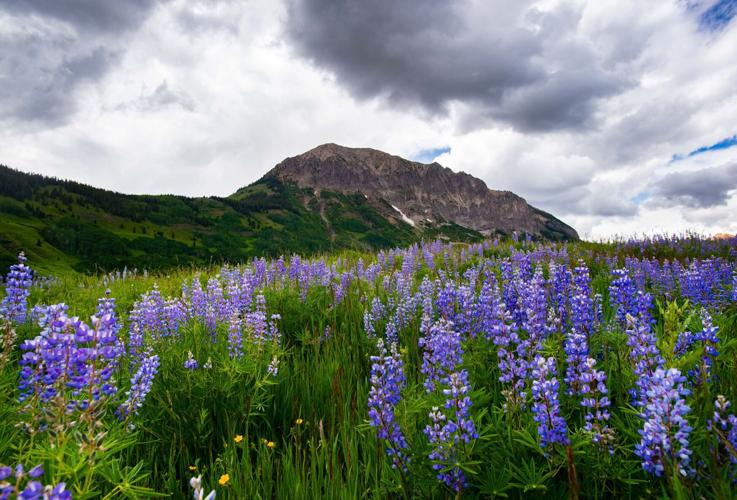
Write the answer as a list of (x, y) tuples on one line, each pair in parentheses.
[(617, 116)]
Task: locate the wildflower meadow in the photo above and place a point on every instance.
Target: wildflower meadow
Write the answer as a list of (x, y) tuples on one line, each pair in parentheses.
[(507, 368)]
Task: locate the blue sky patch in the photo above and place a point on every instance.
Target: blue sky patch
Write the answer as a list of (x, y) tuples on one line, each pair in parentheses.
[(428, 155), (723, 144), (641, 197), (718, 15)]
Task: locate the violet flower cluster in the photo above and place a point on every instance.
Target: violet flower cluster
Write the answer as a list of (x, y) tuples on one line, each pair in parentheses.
[(449, 428), (597, 403), (70, 360), (623, 295), (503, 332), (582, 305), (20, 483), (17, 289), (387, 381), (645, 355), (665, 433), (724, 426), (141, 384), (546, 407), (442, 352)]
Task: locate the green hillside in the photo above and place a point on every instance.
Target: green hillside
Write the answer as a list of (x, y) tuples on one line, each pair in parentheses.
[(64, 225)]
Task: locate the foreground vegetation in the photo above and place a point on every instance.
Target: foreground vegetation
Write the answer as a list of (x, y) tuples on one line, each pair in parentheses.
[(437, 371)]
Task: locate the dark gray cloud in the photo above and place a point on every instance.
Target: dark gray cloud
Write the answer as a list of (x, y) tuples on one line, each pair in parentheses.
[(89, 16), (53, 48), (704, 188), (505, 59)]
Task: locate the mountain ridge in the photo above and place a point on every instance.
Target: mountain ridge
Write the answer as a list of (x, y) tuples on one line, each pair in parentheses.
[(65, 225)]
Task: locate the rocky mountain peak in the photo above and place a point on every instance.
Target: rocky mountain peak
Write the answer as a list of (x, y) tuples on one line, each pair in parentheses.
[(418, 193)]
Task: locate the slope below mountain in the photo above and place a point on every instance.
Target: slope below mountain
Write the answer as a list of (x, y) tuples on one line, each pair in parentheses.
[(63, 225), (421, 193), (327, 199)]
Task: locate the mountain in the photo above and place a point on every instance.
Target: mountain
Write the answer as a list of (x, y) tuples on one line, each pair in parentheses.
[(327, 199), (422, 194)]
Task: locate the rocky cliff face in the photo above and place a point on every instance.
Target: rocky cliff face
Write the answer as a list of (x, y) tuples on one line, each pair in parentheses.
[(420, 194)]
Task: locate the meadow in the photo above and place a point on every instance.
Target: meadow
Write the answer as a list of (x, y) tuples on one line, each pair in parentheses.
[(505, 368)]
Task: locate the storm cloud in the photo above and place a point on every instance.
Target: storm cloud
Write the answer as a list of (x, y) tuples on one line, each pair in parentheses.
[(616, 118), (506, 59), (703, 188), (51, 48)]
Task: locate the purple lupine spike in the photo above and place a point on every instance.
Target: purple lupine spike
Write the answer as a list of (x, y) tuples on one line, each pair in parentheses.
[(561, 278), (449, 429), (645, 355), (578, 375), (17, 289), (724, 426), (190, 363), (25, 486), (623, 295), (442, 352), (546, 407), (387, 382), (368, 324), (502, 330), (535, 305), (256, 321), (664, 436), (141, 384), (709, 339), (597, 403), (235, 340), (582, 305)]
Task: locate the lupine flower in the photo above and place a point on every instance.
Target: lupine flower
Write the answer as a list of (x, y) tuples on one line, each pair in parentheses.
[(387, 381), (141, 383), (68, 354), (17, 289), (441, 354), (596, 401), (708, 338), (191, 363), (578, 373), (273, 368), (451, 428), (582, 305), (235, 341), (724, 427), (24, 485), (623, 295), (503, 332), (368, 325), (645, 355), (546, 407), (665, 431)]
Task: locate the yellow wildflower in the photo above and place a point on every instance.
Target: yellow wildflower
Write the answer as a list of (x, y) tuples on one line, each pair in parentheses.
[(238, 438), (224, 479), (271, 444), (299, 421), (193, 468)]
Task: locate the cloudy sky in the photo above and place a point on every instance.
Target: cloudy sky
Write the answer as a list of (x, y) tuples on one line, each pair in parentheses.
[(618, 116)]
